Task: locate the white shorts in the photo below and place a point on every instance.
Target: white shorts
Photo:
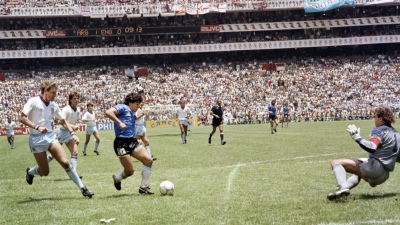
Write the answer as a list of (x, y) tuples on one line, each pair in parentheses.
[(91, 130), (10, 133), (41, 142), (373, 171), (140, 130), (184, 122), (64, 136)]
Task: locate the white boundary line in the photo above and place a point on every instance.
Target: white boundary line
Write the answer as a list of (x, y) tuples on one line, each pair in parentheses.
[(287, 159), (389, 221)]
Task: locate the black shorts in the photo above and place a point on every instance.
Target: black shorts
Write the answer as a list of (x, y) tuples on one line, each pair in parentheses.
[(285, 115), (216, 123), (125, 146), (272, 117)]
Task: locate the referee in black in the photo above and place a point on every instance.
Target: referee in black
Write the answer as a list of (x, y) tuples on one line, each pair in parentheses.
[(218, 121)]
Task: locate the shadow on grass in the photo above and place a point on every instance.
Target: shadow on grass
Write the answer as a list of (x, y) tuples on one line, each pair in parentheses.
[(368, 196), (120, 195), (66, 179), (32, 200), (364, 197)]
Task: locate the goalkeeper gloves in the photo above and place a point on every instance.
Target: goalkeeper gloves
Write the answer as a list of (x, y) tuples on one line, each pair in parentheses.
[(354, 131)]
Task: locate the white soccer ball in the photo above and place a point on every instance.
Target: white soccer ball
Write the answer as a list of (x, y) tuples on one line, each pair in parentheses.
[(167, 188)]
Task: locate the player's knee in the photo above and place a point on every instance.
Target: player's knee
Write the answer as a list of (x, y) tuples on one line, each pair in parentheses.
[(148, 161), (74, 152), (129, 172), (335, 162)]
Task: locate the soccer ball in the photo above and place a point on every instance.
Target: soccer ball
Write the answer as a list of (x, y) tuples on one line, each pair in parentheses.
[(167, 188)]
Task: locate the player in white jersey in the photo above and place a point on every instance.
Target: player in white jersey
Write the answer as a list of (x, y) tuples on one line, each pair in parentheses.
[(89, 119), (183, 114), (38, 114), (71, 113), (383, 148), (9, 126), (140, 128)]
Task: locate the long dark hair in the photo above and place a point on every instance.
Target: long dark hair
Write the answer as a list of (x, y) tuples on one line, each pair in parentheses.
[(132, 98)]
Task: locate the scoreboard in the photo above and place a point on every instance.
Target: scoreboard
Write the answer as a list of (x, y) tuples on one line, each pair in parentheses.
[(123, 31), (104, 32)]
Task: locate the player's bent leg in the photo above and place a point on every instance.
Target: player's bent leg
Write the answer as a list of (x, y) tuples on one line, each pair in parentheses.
[(185, 128), (86, 144), (127, 171), (97, 143), (214, 128), (59, 154), (147, 146), (126, 162), (340, 167), (72, 147), (221, 134), (141, 154), (350, 165), (43, 165)]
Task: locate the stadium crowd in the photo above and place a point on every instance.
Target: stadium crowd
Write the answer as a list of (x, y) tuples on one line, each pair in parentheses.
[(316, 88)]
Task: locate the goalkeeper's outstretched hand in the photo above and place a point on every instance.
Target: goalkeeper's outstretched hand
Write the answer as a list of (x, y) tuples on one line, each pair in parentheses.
[(354, 131)]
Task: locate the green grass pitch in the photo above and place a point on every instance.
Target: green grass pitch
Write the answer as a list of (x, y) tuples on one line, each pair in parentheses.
[(256, 178)]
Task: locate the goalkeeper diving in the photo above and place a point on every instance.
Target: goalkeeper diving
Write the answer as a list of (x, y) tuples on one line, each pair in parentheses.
[(383, 149)]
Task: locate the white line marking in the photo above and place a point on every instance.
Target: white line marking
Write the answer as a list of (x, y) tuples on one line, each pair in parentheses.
[(287, 159), (232, 176), (365, 222)]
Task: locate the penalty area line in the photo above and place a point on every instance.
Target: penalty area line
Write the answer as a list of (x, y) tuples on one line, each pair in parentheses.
[(388, 221), (286, 159)]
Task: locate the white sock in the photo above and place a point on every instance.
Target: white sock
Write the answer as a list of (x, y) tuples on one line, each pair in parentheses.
[(121, 176), (49, 158), (146, 171), (74, 162), (340, 175), (148, 150), (74, 177)]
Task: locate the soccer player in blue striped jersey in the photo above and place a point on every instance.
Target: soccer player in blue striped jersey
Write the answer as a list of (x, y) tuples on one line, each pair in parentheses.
[(273, 119), (286, 116), (383, 150), (126, 144)]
